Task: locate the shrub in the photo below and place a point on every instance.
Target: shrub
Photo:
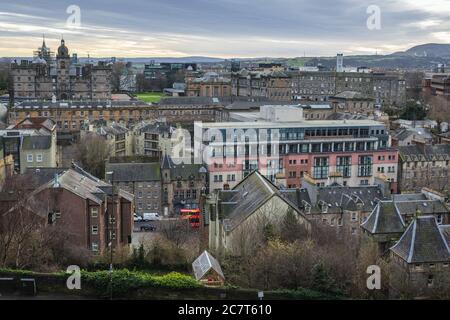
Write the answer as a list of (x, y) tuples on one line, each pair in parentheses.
[(125, 281)]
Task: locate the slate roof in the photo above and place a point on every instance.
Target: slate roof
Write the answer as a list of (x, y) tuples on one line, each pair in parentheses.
[(427, 153), (204, 263), (424, 206), (445, 230), (220, 101), (83, 184), (157, 127), (112, 129), (403, 134), (299, 197), (40, 176), (422, 242), (338, 198), (246, 197), (409, 196), (351, 95), (80, 104), (384, 219), (125, 172), (346, 116), (35, 123), (182, 170), (36, 142)]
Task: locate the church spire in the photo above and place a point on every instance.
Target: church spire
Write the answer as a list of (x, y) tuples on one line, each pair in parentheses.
[(43, 41)]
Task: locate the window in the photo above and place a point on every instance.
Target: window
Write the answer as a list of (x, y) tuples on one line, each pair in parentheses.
[(354, 216), (439, 219), (94, 212), (344, 166), (94, 229), (430, 281), (39, 157), (365, 166), (29, 158), (94, 246), (320, 169)]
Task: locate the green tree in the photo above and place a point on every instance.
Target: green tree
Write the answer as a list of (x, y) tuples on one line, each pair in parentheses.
[(322, 280), (413, 111)]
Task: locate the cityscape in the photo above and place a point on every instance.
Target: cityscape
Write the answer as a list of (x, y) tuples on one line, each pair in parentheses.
[(195, 163)]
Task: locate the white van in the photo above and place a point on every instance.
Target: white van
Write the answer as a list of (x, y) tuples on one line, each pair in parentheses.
[(150, 216)]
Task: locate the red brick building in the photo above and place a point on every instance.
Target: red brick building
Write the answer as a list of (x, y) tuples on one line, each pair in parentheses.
[(91, 211)]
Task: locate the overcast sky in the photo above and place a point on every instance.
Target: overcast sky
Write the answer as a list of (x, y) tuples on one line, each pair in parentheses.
[(222, 28)]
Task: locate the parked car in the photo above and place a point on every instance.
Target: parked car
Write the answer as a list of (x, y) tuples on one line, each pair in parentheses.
[(137, 218), (148, 227), (151, 216)]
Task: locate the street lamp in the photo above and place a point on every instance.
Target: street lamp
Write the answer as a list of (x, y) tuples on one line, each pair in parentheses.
[(110, 244)]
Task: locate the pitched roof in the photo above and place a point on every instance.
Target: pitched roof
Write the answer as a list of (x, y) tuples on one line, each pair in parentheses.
[(422, 242), (135, 171), (402, 134), (204, 263), (182, 170), (36, 142), (83, 184), (36, 123), (385, 218), (112, 129), (425, 153), (445, 230), (299, 197), (246, 197), (338, 198), (351, 95), (423, 206), (40, 176)]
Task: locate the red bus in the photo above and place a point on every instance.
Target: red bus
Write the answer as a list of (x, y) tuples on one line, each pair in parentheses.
[(193, 215)]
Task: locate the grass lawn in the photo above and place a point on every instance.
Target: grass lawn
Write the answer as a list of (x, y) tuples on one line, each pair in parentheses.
[(150, 96)]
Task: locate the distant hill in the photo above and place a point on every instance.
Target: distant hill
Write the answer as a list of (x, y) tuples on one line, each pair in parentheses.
[(431, 50)]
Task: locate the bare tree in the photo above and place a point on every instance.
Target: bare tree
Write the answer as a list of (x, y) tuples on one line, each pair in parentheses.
[(92, 151)]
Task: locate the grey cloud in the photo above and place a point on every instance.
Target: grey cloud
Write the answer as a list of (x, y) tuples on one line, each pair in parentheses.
[(250, 27)]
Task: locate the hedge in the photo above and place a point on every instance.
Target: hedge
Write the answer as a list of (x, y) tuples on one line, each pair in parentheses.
[(125, 281), (128, 284)]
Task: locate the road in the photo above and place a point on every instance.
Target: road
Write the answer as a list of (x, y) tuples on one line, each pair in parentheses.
[(139, 236)]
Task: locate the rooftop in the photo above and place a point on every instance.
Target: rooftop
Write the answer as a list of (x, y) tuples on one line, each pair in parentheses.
[(423, 241), (125, 172)]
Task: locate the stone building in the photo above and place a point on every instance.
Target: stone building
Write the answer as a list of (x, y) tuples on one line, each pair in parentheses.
[(390, 218), (151, 139), (420, 260), (237, 218), (353, 102), (342, 208), (209, 85), (320, 85), (408, 136), (70, 117), (422, 165), (31, 142), (118, 138), (143, 180), (183, 184), (62, 78), (185, 110), (273, 85)]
